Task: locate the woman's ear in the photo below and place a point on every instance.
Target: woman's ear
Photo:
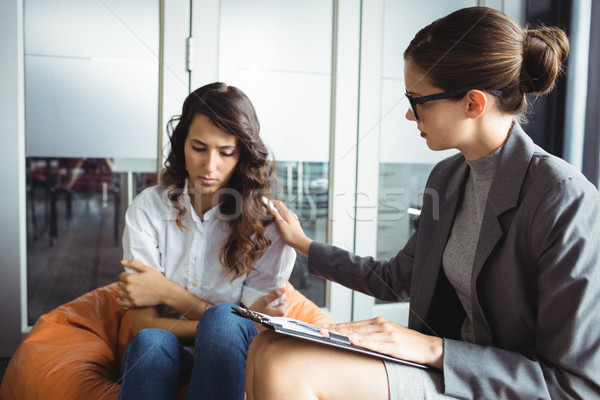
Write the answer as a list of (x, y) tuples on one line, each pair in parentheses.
[(477, 103)]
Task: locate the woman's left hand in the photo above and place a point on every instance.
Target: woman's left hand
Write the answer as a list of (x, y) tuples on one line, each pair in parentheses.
[(383, 336), (263, 305)]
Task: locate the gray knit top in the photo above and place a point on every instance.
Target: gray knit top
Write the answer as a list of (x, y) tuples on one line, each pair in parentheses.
[(459, 254)]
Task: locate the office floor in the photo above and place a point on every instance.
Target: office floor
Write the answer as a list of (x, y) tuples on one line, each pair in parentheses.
[(82, 254)]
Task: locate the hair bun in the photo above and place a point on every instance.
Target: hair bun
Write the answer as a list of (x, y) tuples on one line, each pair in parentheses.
[(544, 51)]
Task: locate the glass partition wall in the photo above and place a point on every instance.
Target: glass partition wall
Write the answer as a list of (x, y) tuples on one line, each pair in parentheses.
[(91, 85)]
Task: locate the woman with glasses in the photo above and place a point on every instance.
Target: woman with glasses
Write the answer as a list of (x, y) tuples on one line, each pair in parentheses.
[(503, 269)]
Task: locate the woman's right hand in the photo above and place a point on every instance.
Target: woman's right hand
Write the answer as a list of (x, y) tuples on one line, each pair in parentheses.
[(386, 337), (289, 228), (143, 288)]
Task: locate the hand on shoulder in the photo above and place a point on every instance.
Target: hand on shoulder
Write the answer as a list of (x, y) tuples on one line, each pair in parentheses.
[(289, 227)]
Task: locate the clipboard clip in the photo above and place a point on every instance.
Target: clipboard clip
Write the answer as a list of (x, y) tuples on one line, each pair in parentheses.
[(244, 312), (334, 337)]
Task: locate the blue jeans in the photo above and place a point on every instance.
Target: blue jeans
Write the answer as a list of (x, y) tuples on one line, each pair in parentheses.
[(155, 363)]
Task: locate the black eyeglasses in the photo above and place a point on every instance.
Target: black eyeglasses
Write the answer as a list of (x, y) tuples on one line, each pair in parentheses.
[(450, 94)]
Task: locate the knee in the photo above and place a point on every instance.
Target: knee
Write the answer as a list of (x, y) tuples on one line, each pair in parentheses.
[(218, 313), (261, 345), (154, 355), (216, 320), (272, 362), (270, 350), (154, 337), (274, 353), (219, 323), (150, 344)]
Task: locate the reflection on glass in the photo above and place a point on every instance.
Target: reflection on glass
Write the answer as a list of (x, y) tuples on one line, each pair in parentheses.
[(142, 180), (91, 80), (73, 235), (305, 189), (401, 188), (74, 227)]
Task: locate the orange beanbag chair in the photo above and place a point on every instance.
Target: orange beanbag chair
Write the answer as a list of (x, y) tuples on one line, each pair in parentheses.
[(74, 351)]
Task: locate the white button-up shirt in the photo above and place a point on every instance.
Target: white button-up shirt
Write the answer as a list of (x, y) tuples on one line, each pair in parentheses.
[(191, 257)]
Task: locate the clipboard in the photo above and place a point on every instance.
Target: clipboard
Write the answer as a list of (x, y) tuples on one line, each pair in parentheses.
[(306, 331)]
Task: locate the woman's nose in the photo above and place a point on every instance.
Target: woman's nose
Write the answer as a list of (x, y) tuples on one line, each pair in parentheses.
[(210, 162), (410, 115)]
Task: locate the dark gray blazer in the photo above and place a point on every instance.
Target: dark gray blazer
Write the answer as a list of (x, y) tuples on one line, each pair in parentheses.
[(535, 283)]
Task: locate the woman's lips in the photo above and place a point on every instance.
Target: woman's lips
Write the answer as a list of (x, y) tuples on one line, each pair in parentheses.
[(423, 134), (207, 181)]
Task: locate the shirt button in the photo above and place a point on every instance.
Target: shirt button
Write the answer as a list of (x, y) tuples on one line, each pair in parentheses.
[(194, 284)]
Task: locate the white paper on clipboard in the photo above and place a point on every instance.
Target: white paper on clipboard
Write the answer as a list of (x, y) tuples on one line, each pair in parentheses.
[(306, 331)]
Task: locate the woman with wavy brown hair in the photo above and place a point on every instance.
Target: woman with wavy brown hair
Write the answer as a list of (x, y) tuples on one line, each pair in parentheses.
[(503, 268), (196, 244)]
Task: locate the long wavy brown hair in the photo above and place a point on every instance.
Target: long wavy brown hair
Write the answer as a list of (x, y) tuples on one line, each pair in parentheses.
[(243, 202)]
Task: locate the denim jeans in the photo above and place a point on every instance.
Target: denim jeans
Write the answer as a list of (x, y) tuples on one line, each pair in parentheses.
[(155, 363)]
